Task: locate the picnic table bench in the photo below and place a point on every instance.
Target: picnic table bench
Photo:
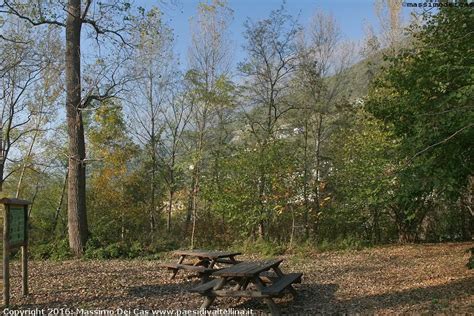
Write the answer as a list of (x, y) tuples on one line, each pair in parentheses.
[(204, 262), (250, 279)]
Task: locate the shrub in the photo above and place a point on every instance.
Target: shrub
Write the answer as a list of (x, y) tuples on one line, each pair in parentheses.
[(54, 250), (263, 247)]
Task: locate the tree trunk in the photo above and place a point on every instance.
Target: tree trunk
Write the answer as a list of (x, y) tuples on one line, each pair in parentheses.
[(24, 164), (405, 237), (77, 216), (171, 186), (306, 178), (153, 142), (151, 212), (261, 194), (194, 207), (317, 193), (34, 198), (189, 212), (60, 205), (375, 233), (407, 229), (261, 230), (293, 226), (170, 209)]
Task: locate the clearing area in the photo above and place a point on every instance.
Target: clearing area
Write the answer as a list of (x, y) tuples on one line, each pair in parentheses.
[(408, 278)]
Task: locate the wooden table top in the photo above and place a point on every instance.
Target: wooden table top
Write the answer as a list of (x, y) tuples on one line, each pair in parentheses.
[(248, 269), (206, 253)]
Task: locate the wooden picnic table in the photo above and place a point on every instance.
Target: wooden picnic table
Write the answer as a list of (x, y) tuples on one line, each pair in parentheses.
[(204, 262), (258, 279)]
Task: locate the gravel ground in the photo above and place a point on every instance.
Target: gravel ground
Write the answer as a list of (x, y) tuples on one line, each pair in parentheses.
[(430, 278)]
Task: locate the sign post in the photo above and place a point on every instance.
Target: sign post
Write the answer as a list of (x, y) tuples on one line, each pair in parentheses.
[(15, 235)]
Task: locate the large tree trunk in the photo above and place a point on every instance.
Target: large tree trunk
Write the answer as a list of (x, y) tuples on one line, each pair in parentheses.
[(77, 217)]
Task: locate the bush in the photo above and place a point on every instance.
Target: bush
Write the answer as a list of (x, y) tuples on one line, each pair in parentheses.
[(162, 245), (55, 250), (347, 243), (263, 247), (117, 250), (135, 250), (111, 251)]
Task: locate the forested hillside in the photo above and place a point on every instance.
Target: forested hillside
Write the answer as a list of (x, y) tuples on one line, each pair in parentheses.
[(310, 141)]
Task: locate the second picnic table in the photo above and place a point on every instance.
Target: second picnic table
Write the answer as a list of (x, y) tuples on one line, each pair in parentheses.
[(203, 262)]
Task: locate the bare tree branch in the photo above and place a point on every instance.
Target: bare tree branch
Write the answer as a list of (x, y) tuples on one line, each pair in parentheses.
[(11, 10), (441, 142)]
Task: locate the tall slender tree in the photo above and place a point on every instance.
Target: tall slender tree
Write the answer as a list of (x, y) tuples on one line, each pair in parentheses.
[(272, 59), (319, 86), (209, 63), (156, 76), (103, 22)]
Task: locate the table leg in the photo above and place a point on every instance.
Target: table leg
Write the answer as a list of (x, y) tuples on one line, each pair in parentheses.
[(175, 271), (274, 310), (208, 302), (204, 278), (181, 259), (211, 298), (292, 290), (204, 262), (221, 284), (242, 284), (258, 283), (212, 263), (278, 271)]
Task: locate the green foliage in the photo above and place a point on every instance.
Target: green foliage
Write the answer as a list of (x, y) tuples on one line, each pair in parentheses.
[(238, 200), (112, 251), (263, 248), (96, 250), (363, 178), (54, 250), (425, 95), (116, 191), (284, 152)]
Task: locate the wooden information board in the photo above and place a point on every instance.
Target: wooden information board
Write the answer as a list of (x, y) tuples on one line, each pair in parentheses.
[(15, 235)]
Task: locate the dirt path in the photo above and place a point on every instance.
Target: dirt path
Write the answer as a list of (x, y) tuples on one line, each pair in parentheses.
[(415, 278)]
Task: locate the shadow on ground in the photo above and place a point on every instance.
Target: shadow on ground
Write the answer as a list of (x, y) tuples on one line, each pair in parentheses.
[(321, 298), (157, 290), (432, 294)]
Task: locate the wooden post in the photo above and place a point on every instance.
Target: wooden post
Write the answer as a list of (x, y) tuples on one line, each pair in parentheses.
[(24, 270), (6, 259), (24, 257)]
